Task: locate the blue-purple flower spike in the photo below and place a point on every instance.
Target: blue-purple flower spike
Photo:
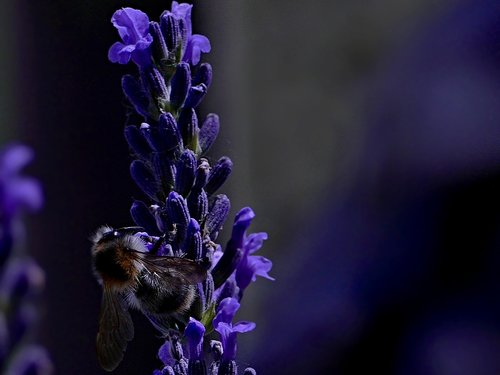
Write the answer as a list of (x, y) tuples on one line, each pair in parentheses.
[(185, 208)]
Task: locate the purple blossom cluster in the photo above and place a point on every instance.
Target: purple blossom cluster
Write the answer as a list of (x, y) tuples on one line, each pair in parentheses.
[(183, 211), (21, 279)]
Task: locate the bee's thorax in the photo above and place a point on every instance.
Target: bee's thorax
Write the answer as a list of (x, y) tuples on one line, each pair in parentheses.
[(114, 264)]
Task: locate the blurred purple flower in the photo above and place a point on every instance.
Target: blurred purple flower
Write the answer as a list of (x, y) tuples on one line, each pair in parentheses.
[(133, 27), (17, 192), (31, 360), (21, 279)]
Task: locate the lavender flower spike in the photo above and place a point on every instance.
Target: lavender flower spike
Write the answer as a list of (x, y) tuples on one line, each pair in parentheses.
[(133, 27), (181, 216)]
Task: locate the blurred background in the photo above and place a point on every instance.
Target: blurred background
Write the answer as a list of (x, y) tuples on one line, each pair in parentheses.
[(365, 136)]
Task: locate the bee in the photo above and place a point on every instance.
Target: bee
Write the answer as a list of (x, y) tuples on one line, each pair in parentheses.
[(161, 287)]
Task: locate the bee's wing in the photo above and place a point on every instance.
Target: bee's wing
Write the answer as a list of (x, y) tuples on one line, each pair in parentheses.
[(174, 270), (115, 330)]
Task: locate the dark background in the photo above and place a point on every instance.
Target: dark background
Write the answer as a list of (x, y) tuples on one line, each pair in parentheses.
[(365, 135)]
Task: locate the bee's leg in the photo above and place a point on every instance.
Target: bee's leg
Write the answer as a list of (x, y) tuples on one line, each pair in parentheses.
[(161, 322), (157, 245)]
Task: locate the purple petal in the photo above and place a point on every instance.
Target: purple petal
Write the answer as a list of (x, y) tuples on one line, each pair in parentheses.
[(165, 354), (132, 24), (133, 27), (228, 339), (196, 45), (14, 158), (21, 277), (31, 359), (228, 335), (218, 253), (261, 266), (25, 193), (226, 311), (234, 248), (228, 289), (254, 242), (244, 326), (17, 192), (120, 53), (251, 267), (142, 54), (194, 333), (241, 223)]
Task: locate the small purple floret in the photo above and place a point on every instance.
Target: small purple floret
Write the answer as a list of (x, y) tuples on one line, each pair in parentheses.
[(133, 27), (226, 311), (252, 266), (194, 333), (242, 221), (195, 44), (165, 355), (228, 334), (222, 324)]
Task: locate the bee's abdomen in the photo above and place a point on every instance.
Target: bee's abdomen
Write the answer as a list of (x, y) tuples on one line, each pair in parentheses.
[(108, 265), (158, 301)]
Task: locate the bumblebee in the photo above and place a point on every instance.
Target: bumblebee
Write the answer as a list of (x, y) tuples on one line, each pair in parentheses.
[(161, 287)]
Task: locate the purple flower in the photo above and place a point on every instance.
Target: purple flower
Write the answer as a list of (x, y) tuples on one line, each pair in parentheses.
[(237, 256), (228, 332), (17, 192), (194, 333), (251, 266), (226, 311), (21, 278), (133, 27), (165, 354), (193, 45)]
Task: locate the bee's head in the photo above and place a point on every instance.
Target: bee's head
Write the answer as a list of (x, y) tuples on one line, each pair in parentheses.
[(112, 253), (106, 233)]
